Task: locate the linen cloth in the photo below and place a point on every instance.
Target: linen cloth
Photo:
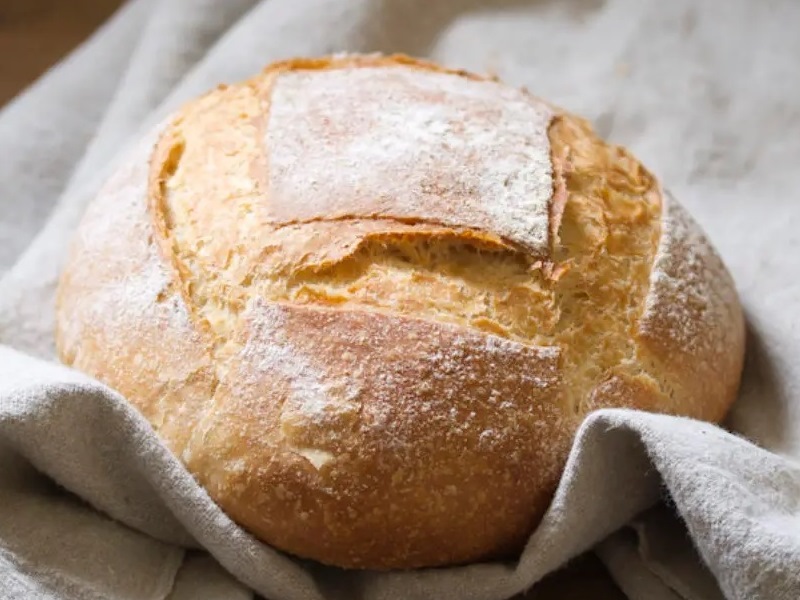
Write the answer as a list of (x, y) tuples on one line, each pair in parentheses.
[(707, 94)]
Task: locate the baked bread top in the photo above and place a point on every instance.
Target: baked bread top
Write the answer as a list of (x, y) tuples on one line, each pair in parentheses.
[(368, 300)]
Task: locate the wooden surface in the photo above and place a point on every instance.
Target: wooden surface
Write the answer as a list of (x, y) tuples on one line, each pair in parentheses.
[(35, 34)]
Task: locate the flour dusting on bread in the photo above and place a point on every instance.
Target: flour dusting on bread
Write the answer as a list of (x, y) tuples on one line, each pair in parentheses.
[(313, 396), (412, 145), (691, 292), (137, 282)]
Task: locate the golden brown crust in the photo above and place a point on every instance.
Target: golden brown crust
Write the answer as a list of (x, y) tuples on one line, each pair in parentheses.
[(692, 330), (117, 302), (349, 456), (377, 375)]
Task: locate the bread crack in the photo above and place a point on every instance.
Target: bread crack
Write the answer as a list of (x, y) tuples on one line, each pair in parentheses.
[(586, 298)]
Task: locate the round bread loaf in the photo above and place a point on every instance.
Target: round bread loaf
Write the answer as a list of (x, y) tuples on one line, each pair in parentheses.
[(368, 300)]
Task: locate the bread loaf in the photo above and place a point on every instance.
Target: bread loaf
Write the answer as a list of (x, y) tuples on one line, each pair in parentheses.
[(368, 301)]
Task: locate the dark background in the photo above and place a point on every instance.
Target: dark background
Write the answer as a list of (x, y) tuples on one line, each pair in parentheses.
[(35, 34)]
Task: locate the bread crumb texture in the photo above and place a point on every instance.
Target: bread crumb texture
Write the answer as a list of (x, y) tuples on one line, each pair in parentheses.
[(396, 290)]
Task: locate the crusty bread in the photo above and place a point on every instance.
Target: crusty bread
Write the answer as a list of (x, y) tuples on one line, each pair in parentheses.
[(367, 301)]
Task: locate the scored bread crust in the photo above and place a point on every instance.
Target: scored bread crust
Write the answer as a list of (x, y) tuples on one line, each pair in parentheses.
[(391, 385)]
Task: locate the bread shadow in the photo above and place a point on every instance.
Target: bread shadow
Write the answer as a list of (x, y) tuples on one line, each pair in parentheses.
[(583, 577), (760, 412), (390, 20)]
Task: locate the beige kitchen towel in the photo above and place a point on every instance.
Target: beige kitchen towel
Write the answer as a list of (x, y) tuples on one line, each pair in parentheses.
[(706, 93)]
